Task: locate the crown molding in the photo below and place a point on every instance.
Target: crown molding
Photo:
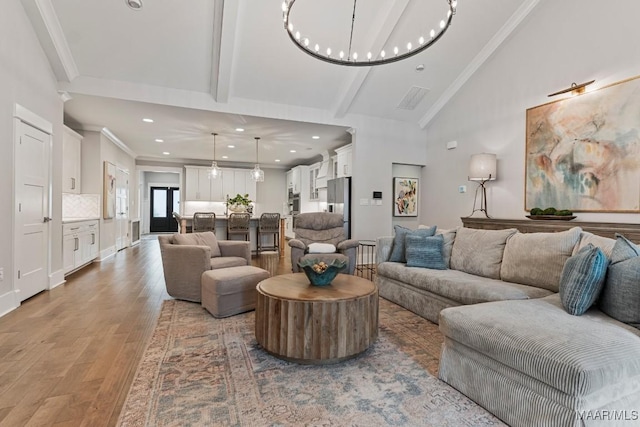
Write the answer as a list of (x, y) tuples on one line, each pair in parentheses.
[(113, 138), (54, 29), (503, 33)]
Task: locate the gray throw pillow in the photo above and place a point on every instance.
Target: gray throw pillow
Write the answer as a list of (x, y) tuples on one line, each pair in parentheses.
[(582, 279), (398, 247), (200, 239), (620, 297), (425, 252)]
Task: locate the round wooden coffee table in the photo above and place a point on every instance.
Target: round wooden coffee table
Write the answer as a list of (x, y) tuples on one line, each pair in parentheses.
[(299, 322)]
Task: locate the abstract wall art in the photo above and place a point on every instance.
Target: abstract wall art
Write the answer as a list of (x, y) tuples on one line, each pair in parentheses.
[(583, 152), (405, 192), (109, 191)]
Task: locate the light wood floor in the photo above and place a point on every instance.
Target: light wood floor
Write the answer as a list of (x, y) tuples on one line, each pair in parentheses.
[(68, 356)]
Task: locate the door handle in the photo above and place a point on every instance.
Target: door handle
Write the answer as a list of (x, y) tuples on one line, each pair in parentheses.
[(76, 242), (73, 183), (47, 219)]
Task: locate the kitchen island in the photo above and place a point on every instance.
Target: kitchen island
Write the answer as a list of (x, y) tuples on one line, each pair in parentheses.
[(221, 230)]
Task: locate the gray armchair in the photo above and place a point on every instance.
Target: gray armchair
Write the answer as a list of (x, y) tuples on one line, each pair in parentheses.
[(186, 256), (322, 227)]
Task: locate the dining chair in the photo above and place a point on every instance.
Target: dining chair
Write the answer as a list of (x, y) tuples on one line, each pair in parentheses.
[(204, 221)]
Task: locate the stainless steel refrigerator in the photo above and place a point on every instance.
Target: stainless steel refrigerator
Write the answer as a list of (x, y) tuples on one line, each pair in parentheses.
[(339, 200)]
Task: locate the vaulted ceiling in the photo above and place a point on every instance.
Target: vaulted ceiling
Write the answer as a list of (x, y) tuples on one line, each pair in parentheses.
[(200, 66)]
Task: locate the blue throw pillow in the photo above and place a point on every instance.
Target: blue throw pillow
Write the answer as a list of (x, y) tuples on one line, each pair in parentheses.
[(398, 247), (425, 251), (582, 279), (620, 297)]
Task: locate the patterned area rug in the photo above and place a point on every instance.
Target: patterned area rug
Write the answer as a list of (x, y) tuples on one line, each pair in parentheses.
[(202, 371)]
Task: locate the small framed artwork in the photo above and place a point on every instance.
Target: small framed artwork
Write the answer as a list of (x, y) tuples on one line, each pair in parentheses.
[(405, 193), (109, 192)]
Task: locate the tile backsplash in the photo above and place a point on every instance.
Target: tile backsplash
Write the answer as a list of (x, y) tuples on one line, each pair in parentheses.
[(80, 205)]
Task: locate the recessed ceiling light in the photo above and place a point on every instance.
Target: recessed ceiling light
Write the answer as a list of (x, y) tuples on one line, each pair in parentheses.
[(166, 153), (315, 137), (225, 157), (159, 140), (277, 160), (231, 146), (134, 4), (147, 120), (292, 151), (239, 130)]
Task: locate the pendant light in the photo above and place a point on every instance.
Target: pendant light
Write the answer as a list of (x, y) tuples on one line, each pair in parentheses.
[(257, 174), (215, 171)]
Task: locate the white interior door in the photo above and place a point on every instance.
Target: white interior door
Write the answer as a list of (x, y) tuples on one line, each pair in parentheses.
[(31, 210), (122, 209)]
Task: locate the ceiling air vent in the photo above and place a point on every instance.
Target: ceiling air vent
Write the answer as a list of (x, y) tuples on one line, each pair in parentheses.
[(412, 98)]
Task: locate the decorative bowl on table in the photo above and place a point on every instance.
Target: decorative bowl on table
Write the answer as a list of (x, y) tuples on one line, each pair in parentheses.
[(320, 273), (237, 208)]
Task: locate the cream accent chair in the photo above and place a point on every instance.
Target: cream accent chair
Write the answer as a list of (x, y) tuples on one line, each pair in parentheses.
[(186, 256), (322, 227)]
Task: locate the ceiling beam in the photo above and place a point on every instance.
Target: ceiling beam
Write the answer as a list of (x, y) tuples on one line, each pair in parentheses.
[(224, 36), (49, 31), (503, 33), (386, 22)]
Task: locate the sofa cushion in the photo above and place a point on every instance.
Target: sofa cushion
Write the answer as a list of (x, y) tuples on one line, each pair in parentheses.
[(526, 253), (200, 239), (449, 235), (604, 243), (620, 297), (398, 248), (458, 286), (582, 279), (479, 252), (577, 355), (227, 261), (425, 251)]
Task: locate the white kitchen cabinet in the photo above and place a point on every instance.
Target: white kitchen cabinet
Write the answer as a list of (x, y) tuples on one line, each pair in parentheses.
[(217, 191), (71, 159), (344, 161), (238, 181), (296, 180), (198, 183), (313, 175), (80, 243)]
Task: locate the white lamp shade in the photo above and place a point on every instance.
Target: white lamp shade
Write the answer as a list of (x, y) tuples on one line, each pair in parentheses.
[(482, 167)]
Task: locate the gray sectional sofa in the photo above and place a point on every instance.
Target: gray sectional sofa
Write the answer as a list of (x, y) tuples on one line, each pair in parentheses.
[(508, 342)]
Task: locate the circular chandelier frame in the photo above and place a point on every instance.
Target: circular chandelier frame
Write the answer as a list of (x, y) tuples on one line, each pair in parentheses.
[(351, 60)]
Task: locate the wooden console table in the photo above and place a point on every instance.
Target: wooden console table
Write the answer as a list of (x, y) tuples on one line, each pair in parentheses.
[(605, 229)]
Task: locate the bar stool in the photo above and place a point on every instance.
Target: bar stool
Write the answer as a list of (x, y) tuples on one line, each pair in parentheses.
[(204, 221), (269, 224), (238, 224)]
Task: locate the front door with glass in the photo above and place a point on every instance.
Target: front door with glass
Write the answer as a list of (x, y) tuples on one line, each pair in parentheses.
[(164, 201)]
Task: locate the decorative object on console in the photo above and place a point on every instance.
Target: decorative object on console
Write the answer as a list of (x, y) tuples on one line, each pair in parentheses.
[(350, 57), (239, 203), (257, 174), (405, 191), (109, 191), (551, 214), (215, 171), (579, 151), (320, 273), (482, 168), (575, 89)]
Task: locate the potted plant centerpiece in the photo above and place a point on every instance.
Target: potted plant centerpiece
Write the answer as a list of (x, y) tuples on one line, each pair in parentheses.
[(239, 203)]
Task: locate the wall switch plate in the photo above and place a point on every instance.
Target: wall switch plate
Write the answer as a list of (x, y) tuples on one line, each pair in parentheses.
[(364, 202), (1, 274), (451, 145), (462, 189), (379, 202)]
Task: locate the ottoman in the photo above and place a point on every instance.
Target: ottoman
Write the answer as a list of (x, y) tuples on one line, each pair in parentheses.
[(229, 291)]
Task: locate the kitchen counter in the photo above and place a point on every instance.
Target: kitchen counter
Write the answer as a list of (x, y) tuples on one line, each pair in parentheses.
[(72, 220)]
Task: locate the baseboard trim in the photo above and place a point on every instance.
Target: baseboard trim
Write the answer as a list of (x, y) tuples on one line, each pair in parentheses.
[(107, 253), (56, 279), (8, 302)]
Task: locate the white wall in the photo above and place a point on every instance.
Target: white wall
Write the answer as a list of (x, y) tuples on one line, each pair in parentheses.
[(559, 43), (97, 149), (27, 79)]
